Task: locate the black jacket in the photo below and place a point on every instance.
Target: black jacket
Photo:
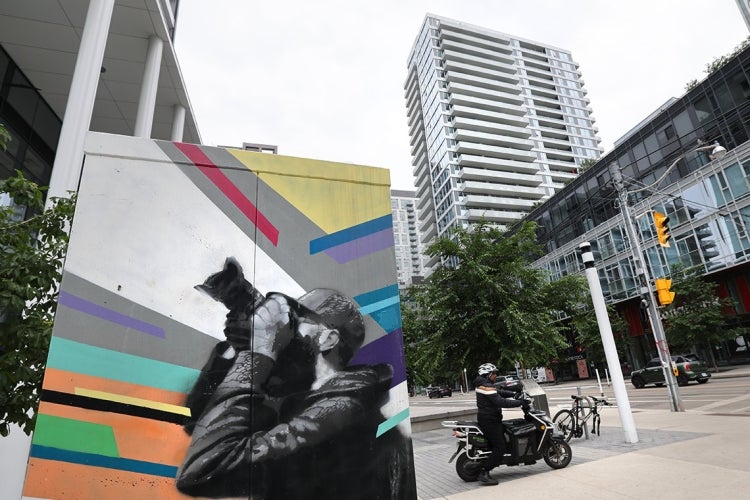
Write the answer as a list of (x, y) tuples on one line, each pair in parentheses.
[(491, 401)]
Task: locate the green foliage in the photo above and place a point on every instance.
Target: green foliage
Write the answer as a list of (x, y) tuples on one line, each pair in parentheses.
[(718, 62), (586, 164), (589, 337), (31, 256), (4, 137), (696, 318), (722, 60), (491, 307)]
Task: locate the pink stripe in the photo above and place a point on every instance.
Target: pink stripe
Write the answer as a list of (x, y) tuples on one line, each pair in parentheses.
[(221, 181)]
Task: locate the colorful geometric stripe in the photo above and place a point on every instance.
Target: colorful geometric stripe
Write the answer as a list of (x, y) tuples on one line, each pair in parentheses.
[(365, 245), (138, 438), (73, 435), (383, 305), (80, 304), (92, 459), (386, 349), (351, 233), (104, 405), (65, 381), (128, 400), (47, 479), (392, 422), (221, 181), (83, 358)]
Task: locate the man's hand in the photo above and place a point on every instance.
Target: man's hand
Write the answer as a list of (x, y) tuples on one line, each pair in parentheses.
[(272, 327), (268, 331)]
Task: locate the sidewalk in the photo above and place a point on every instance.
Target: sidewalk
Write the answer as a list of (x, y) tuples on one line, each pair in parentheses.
[(678, 454)]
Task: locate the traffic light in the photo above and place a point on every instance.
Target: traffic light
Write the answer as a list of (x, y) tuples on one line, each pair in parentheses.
[(661, 222), (663, 293)]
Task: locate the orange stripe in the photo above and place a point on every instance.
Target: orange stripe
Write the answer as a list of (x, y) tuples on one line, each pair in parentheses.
[(52, 479), (137, 438), (65, 381)]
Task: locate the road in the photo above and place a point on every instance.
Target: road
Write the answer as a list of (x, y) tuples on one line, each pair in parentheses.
[(719, 395)]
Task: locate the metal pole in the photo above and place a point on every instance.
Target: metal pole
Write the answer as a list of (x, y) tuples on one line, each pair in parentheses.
[(610, 349), (644, 284)]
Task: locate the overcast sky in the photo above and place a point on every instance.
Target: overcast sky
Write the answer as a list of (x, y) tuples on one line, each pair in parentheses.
[(324, 78)]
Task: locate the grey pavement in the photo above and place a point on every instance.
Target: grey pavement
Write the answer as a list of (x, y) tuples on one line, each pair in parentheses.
[(678, 454)]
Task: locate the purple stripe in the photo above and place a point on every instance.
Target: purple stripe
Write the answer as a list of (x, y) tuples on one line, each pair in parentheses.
[(83, 305), (361, 246), (387, 349)]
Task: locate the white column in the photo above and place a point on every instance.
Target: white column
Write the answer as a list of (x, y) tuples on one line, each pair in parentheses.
[(608, 342), (145, 118), (66, 170), (178, 123)]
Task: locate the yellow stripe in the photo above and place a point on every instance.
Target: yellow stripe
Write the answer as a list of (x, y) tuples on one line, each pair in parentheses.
[(146, 403)]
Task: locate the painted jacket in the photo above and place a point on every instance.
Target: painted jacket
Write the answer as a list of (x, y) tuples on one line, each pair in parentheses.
[(490, 402), (254, 439)]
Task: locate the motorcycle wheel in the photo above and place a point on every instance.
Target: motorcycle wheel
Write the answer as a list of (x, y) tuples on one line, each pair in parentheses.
[(558, 454), (565, 422), (469, 474)]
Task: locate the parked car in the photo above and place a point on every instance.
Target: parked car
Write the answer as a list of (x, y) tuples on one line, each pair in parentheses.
[(689, 368), (439, 391), (509, 383)]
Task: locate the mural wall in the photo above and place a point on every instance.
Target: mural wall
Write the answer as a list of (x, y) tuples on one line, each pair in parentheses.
[(228, 326)]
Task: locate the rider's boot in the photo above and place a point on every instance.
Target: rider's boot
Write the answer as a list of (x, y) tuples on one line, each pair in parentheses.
[(485, 478)]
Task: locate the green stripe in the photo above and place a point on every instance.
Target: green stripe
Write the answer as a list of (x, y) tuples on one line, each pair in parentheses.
[(74, 435), (392, 422), (89, 360)]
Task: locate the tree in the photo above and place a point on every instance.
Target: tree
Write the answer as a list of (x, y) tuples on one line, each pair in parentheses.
[(31, 256), (489, 306), (589, 337), (695, 317), (586, 164)]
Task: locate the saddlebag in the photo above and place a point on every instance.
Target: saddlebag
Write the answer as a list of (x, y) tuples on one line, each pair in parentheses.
[(522, 439)]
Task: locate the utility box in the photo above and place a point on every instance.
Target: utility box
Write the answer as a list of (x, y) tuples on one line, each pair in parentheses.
[(537, 394)]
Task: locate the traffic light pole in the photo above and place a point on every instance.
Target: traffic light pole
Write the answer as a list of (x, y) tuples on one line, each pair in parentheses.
[(644, 285)]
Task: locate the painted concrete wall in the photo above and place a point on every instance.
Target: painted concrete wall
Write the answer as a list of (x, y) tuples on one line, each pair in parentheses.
[(144, 392)]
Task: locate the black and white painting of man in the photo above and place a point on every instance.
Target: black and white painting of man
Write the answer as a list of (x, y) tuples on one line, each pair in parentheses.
[(278, 413)]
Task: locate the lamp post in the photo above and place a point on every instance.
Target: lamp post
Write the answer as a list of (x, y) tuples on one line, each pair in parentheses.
[(642, 275)]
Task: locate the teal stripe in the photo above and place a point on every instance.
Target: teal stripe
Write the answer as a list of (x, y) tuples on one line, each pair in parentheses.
[(82, 358), (392, 422), (377, 295), (369, 309)]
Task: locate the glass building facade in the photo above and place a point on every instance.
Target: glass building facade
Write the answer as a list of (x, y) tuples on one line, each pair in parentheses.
[(708, 202), (33, 126)]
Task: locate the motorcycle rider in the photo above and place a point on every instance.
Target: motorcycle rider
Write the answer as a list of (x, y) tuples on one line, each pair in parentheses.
[(490, 402)]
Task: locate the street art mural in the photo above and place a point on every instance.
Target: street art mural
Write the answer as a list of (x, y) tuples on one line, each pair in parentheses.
[(228, 326)]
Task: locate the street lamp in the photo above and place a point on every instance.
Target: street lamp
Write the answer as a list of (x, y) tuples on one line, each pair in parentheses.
[(644, 280)]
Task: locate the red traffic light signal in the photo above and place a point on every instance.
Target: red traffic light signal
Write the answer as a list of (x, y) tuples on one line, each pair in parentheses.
[(663, 293), (661, 222)]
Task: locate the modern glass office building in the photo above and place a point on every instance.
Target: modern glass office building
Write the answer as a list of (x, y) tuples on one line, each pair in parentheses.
[(708, 203), (497, 124)]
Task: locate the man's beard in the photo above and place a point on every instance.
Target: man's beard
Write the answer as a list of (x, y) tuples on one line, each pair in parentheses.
[(295, 368)]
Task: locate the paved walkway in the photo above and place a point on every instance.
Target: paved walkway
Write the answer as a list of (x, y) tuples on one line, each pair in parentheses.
[(687, 454)]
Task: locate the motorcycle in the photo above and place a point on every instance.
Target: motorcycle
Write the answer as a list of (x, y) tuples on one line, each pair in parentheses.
[(531, 438)]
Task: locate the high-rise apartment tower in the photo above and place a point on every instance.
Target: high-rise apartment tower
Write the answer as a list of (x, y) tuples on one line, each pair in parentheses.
[(497, 124), (409, 250)]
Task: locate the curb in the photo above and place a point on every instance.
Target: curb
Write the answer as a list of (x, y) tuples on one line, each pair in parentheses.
[(431, 422)]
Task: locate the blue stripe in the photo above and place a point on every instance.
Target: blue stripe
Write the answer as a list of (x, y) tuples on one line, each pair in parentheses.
[(126, 464), (376, 306), (377, 295), (351, 233)]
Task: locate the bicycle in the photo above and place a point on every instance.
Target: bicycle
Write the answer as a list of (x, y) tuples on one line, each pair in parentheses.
[(571, 422)]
